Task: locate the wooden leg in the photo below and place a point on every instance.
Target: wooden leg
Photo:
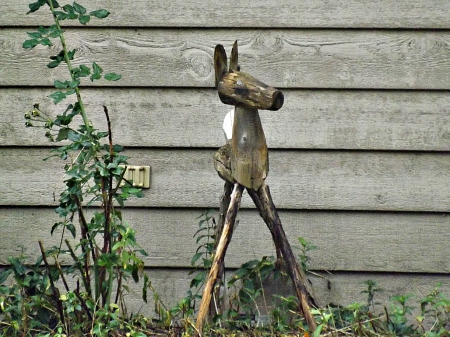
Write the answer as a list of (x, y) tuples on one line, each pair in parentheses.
[(303, 289), (252, 193), (222, 298), (225, 239)]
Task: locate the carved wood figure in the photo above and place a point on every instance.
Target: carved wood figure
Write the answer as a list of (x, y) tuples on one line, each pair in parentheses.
[(243, 162)]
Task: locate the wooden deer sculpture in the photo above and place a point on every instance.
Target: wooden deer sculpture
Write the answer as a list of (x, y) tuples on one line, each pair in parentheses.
[(244, 163)]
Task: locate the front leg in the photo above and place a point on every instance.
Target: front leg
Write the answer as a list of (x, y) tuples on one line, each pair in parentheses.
[(301, 283), (217, 263)]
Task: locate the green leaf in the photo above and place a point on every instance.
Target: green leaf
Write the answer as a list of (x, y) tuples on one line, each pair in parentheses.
[(195, 258), (30, 43), (73, 136), (78, 8), (143, 252), (35, 6), (74, 84), (57, 96), (53, 64), (62, 134), (54, 227), (35, 35), (101, 13), (96, 68), (112, 77), (43, 30), (4, 275), (71, 15), (135, 273), (117, 245), (54, 3), (94, 77), (103, 134), (71, 229), (53, 31), (45, 42), (71, 54), (61, 85), (61, 15), (84, 71), (84, 19), (318, 331)]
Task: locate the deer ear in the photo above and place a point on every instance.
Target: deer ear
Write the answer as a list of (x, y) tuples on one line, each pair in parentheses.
[(220, 62), (234, 66)]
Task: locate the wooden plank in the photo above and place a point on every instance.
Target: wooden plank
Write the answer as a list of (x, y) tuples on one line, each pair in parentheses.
[(345, 241), (314, 119), (346, 288), (347, 180), (289, 13), (283, 58)]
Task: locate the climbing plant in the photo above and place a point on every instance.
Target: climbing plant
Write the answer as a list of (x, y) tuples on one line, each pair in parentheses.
[(102, 246)]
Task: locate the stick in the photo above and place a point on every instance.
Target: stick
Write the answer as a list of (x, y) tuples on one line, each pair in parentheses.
[(266, 219), (224, 205), (301, 284), (225, 239), (55, 291)]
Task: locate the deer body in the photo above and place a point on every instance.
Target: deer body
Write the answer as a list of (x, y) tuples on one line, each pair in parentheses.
[(243, 162), (249, 160)]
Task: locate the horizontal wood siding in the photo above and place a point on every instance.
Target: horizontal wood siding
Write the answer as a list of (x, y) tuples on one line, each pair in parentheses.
[(338, 180), (346, 241), (355, 59), (288, 13), (309, 119), (359, 162)]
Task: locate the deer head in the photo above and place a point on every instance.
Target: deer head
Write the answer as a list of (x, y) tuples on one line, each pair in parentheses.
[(238, 88)]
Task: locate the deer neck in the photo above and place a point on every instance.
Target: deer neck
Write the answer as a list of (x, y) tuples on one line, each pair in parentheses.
[(249, 156)]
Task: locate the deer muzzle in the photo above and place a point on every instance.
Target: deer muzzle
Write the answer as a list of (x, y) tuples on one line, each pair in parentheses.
[(239, 88)]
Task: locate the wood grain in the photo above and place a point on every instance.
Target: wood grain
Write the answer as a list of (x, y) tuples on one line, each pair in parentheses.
[(371, 59), (289, 13), (344, 180), (345, 241), (314, 119)]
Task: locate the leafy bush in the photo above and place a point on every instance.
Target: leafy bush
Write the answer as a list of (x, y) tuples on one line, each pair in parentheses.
[(105, 254)]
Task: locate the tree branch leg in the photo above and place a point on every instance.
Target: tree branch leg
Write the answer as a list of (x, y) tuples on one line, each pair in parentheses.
[(266, 219), (225, 239), (303, 289), (224, 204)]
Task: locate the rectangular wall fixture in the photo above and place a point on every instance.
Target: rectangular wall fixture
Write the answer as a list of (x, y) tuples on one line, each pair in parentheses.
[(139, 176)]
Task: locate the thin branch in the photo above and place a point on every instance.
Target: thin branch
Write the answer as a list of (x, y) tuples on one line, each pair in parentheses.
[(84, 274), (52, 284), (69, 66)]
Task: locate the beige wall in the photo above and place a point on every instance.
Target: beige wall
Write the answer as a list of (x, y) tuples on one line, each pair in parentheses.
[(357, 153)]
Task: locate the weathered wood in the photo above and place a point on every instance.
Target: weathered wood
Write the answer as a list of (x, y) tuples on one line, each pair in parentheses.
[(327, 119), (346, 288), (249, 157), (302, 288), (264, 204), (219, 256), (239, 88), (372, 59), (340, 180), (222, 297), (222, 163), (289, 13), (346, 241)]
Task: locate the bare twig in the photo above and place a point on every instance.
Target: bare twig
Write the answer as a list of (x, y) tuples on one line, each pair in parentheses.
[(55, 291)]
